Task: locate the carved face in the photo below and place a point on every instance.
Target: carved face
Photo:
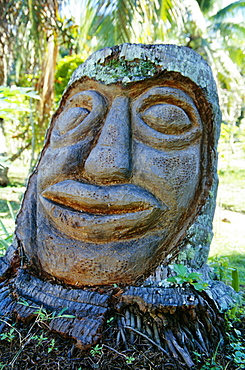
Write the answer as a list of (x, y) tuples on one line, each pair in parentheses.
[(116, 181)]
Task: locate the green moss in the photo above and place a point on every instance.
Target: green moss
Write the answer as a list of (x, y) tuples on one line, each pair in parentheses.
[(122, 70)]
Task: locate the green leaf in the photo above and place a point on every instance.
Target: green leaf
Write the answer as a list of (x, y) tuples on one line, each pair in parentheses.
[(11, 210), (172, 279), (194, 276), (4, 228), (4, 243), (23, 302), (180, 269), (62, 311), (200, 286)]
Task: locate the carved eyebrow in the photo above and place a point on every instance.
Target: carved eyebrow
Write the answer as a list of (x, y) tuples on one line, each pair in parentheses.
[(90, 119), (168, 94)]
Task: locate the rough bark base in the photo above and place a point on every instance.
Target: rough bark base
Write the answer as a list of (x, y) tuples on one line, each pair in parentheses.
[(178, 321)]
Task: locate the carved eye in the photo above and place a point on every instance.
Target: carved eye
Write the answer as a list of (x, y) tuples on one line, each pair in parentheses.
[(167, 118), (71, 118)]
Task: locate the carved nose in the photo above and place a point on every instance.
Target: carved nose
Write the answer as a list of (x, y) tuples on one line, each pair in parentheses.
[(109, 160)]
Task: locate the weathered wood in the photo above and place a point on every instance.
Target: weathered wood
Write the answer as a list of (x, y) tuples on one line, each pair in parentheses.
[(176, 320), (125, 186), (179, 319), (27, 295), (127, 171)]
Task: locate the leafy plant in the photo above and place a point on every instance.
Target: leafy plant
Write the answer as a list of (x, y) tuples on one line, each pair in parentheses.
[(64, 70), (39, 338), (110, 320), (52, 346), (96, 351), (6, 237), (9, 335), (227, 274), (237, 345), (183, 276), (13, 100), (129, 360), (212, 365), (43, 315)]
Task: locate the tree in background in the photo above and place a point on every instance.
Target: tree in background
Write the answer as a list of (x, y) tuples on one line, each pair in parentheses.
[(32, 33), (28, 31)]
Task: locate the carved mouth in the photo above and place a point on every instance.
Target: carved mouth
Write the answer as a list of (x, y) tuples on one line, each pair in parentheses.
[(101, 213)]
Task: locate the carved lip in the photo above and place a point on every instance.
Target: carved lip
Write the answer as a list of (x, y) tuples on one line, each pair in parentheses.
[(101, 213)]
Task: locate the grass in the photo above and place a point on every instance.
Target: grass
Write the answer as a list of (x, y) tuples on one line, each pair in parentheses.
[(229, 220), (10, 199)]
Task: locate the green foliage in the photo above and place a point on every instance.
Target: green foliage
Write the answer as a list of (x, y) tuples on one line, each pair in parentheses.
[(133, 21), (52, 346), (64, 70), (109, 321), (15, 100), (212, 365), (183, 276), (237, 345), (39, 339), (129, 360), (96, 351), (16, 107), (234, 353), (6, 237), (9, 335), (229, 275), (205, 5)]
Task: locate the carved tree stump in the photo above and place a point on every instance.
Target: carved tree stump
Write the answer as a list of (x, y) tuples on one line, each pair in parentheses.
[(125, 186)]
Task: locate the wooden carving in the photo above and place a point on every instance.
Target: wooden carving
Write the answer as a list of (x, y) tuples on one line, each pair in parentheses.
[(125, 184)]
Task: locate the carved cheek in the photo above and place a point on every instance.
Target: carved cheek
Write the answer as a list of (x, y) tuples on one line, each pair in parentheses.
[(172, 176), (62, 163)]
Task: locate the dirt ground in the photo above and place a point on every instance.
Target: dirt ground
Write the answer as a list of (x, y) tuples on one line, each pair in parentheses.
[(36, 348)]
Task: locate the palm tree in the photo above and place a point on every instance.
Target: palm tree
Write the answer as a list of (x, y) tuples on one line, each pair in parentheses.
[(29, 33), (227, 26), (119, 21)]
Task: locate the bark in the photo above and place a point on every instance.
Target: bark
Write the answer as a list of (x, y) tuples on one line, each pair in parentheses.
[(175, 320)]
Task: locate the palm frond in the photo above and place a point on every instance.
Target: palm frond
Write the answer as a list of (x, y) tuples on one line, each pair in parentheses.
[(205, 5), (230, 29), (230, 11)]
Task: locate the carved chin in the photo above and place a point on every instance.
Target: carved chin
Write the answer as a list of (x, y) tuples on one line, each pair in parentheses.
[(101, 214)]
